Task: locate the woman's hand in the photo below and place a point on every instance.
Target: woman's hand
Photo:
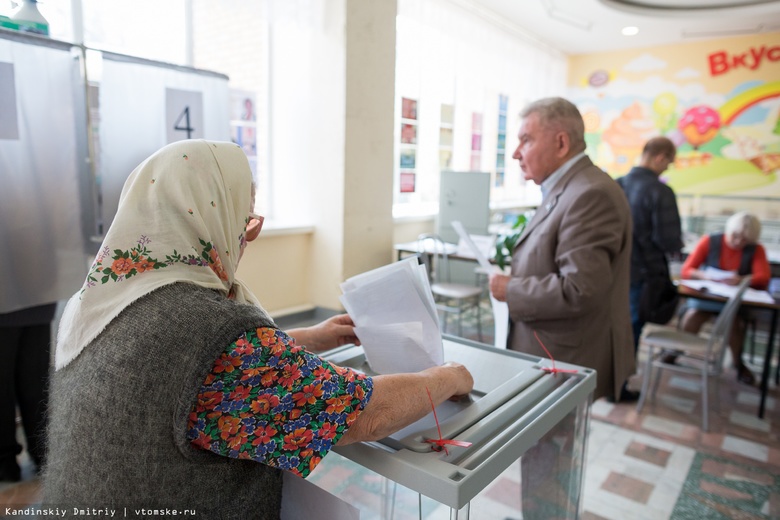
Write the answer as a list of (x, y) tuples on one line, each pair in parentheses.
[(398, 400), (334, 332), (462, 379)]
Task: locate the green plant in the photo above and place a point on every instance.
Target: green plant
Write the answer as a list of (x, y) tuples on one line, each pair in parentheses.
[(505, 243)]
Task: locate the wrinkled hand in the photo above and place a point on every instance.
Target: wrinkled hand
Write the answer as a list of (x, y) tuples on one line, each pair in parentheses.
[(464, 381), (331, 333), (498, 284)]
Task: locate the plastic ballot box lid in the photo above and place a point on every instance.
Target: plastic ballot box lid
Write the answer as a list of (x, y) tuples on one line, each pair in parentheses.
[(516, 399)]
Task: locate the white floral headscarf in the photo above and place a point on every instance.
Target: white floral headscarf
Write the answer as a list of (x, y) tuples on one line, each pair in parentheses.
[(182, 216)]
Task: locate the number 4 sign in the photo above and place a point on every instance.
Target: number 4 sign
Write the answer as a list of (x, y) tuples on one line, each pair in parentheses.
[(183, 114)]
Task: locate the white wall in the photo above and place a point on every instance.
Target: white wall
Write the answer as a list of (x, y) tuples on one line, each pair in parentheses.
[(456, 52), (306, 132)]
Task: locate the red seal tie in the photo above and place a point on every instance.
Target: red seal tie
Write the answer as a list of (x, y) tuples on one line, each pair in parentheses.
[(553, 370), (440, 444)]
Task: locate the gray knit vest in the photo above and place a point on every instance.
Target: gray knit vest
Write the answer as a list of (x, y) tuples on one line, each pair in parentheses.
[(119, 412)]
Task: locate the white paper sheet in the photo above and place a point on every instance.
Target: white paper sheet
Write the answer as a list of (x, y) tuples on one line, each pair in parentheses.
[(482, 260), (395, 317), (718, 275), (483, 242), (727, 291), (500, 309), (409, 265), (395, 348)]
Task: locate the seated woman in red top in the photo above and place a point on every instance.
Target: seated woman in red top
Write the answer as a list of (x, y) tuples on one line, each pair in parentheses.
[(738, 252)]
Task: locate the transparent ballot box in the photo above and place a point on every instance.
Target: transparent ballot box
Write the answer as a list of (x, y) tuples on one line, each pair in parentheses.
[(527, 425)]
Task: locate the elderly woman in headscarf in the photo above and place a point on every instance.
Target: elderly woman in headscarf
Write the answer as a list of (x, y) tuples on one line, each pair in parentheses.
[(173, 387), (727, 257)]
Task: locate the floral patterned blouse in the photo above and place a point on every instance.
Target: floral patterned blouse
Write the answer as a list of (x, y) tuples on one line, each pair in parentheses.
[(269, 400)]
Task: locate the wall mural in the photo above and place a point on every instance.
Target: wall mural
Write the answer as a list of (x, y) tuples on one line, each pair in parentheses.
[(721, 108)]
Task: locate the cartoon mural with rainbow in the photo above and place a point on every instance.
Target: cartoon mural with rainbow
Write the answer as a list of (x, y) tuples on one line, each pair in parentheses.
[(728, 143), (734, 147)]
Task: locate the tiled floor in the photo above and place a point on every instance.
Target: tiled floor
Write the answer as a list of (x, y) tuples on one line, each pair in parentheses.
[(654, 465)]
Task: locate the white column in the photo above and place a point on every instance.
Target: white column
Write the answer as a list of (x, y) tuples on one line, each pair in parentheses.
[(370, 97)]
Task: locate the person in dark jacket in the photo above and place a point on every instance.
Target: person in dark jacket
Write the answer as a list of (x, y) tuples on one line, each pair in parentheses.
[(25, 338), (657, 233)]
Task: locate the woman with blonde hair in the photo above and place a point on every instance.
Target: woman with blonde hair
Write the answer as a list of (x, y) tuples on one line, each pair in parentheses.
[(727, 258)]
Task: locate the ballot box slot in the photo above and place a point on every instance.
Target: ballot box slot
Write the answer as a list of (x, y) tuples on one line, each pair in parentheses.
[(457, 416), (515, 401), (503, 419), (554, 388)]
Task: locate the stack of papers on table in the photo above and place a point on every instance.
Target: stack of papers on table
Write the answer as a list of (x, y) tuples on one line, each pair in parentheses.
[(483, 243), (395, 317), (718, 275), (727, 291)]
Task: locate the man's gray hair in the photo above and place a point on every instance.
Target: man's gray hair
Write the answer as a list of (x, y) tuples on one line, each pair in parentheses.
[(560, 114)]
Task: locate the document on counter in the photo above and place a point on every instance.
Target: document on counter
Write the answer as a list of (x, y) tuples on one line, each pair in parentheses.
[(395, 317), (727, 291), (484, 243), (718, 275)]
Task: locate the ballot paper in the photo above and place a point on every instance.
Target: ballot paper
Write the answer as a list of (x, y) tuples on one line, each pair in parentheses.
[(483, 242), (500, 309), (482, 260), (395, 317), (718, 275), (727, 291)]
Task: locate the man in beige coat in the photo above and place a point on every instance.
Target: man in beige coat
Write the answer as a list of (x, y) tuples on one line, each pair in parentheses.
[(569, 283), (571, 266)]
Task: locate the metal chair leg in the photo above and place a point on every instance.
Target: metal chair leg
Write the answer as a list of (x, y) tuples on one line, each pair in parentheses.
[(752, 325), (645, 381), (656, 381), (479, 321), (704, 399)]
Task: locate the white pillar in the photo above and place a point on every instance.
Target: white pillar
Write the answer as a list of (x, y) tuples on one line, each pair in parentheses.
[(370, 100)]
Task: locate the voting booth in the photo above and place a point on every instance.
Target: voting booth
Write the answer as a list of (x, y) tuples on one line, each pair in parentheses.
[(517, 400), (75, 122), (46, 196), (142, 105)]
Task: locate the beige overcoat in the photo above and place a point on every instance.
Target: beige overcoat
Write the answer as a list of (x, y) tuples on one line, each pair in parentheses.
[(571, 275)]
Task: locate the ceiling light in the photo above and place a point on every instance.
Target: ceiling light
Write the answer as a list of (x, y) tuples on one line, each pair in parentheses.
[(630, 30)]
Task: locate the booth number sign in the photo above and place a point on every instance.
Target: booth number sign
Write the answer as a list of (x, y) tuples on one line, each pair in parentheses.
[(184, 114)]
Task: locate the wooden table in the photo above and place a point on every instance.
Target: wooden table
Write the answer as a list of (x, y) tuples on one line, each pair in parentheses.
[(773, 309)]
